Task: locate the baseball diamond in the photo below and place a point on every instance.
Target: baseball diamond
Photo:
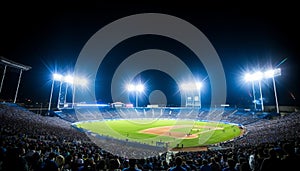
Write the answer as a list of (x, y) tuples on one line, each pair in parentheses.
[(173, 133)]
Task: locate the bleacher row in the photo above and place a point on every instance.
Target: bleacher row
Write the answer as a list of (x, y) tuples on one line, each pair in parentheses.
[(29, 140), (231, 115)]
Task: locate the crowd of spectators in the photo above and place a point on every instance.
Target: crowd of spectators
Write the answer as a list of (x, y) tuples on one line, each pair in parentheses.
[(31, 142)]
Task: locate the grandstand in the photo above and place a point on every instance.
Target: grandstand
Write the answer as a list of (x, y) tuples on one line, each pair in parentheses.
[(233, 115), (42, 132)]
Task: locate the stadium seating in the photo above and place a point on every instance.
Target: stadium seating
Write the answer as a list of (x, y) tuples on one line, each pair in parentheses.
[(27, 140)]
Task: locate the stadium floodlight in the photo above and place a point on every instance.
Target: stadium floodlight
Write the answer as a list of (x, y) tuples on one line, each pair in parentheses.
[(272, 73), (248, 77), (69, 79), (191, 87), (130, 87), (199, 85), (82, 82), (186, 87), (56, 77), (258, 76), (137, 89)]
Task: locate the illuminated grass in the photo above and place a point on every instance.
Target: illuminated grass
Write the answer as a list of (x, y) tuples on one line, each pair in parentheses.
[(206, 133)]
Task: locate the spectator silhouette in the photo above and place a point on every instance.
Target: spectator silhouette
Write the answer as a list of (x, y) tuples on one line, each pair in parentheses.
[(50, 164), (178, 167), (15, 160), (215, 166), (291, 161), (132, 166), (230, 165), (205, 166), (271, 163), (114, 164)]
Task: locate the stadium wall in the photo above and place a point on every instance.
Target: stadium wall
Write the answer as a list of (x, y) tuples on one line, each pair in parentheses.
[(282, 108)]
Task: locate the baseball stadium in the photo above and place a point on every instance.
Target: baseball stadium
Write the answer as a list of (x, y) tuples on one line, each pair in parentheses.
[(148, 91), (155, 134)]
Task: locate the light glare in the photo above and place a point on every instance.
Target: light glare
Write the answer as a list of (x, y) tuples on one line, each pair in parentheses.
[(191, 86), (199, 85), (139, 87), (69, 79), (130, 87), (57, 77)]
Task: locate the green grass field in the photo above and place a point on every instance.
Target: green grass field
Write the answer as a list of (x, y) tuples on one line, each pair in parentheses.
[(172, 132)]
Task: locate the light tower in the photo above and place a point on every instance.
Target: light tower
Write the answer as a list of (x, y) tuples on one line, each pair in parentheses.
[(55, 77), (190, 88), (258, 76), (272, 73), (138, 88)]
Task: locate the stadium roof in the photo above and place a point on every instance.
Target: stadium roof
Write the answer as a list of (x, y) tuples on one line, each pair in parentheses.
[(13, 64)]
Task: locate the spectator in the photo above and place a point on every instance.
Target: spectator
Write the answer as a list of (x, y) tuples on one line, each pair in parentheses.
[(291, 161), (50, 164), (271, 163), (205, 166), (230, 165), (15, 160), (178, 165), (114, 164), (60, 161), (214, 165), (132, 166)]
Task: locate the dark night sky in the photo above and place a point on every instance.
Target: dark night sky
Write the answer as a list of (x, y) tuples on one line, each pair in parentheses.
[(49, 36)]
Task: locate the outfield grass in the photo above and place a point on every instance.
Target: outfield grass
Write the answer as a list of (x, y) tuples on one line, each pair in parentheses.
[(206, 133)]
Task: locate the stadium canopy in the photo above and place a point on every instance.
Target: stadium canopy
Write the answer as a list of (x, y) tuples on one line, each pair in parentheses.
[(9, 63)]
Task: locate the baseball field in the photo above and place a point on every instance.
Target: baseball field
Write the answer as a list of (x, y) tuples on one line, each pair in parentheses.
[(174, 133)]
